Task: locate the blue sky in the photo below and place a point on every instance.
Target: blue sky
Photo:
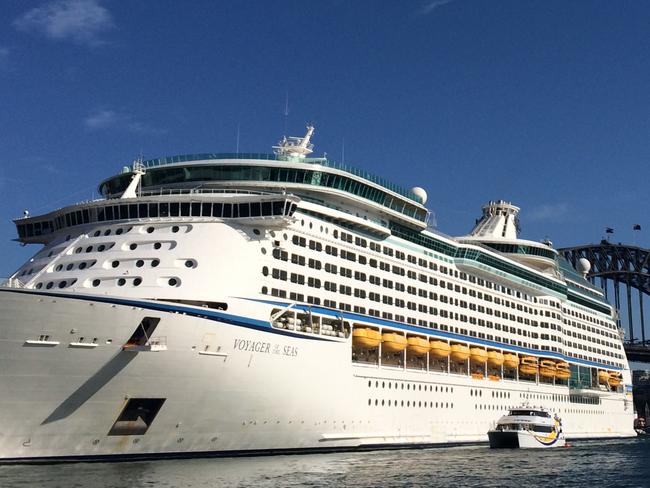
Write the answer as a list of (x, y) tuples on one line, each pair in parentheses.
[(543, 103)]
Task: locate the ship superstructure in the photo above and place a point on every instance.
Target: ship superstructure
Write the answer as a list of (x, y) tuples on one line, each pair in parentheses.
[(244, 303)]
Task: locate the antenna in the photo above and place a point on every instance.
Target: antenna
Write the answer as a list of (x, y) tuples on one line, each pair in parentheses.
[(238, 128), (343, 150), (286, 111)]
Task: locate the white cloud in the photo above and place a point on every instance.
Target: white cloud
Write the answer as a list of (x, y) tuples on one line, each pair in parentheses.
[(102, 119), (432, 5), (81, 21), (549, 212), (110, 119)]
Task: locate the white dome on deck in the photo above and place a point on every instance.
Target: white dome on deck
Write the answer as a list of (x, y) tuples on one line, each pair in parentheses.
[(420, 193)]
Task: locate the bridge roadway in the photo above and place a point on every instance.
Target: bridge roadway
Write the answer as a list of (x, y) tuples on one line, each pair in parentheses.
[(637, 352)]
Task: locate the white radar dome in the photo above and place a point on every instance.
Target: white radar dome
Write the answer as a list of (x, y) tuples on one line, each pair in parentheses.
[(583, 266), (420, 193)]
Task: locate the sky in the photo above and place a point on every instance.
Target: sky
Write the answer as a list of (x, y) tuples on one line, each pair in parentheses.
[(541, 103)]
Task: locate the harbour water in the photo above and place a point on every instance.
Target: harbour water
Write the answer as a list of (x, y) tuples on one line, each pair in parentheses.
[(622, 463)]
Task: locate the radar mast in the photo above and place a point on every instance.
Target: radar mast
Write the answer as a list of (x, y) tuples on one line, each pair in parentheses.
[(295, 147)]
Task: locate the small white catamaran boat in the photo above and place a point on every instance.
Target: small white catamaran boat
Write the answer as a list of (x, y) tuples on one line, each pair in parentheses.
[(527, 427)]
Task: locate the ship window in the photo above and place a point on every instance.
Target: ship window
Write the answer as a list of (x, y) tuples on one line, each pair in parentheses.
[(217, 209), (121, 282), (227, 210), (155, 263), (137, 281), (196, 210), (244, 210), (256, 209), (185, 209), (137, 416), (96, 283), (174, 209)]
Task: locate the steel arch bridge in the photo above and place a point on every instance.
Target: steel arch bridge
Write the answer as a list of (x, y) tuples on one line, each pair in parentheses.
[(622, 266)]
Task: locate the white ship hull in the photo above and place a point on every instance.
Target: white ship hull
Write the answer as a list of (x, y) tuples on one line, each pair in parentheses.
[(231, 385)]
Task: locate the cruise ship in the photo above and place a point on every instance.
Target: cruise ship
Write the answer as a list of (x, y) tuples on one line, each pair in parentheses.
[(229, 304)]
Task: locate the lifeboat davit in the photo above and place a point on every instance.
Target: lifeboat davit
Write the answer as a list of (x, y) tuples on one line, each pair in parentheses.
[(495, 358), (547, 368), (478, 355), (510, 360), (366, 338), (562, 370), (440, 349), (603, 376), (392, 342), (528, 365), (459, 352), (418, 345), (615, 379)]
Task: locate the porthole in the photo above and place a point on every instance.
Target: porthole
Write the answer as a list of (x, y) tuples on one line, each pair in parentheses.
[(89, 249), (265, 271), (119, 231), (107, 232), (137, 281), (39, 286), (265, 290), (155, 263), (157, 245), (96, 233), (115, 264), (256, 232), (263, 250), (133, 246), (139, 263), (150, 230), (101, 247), (121, 282), (49, 285), (59, 267), (63, 284), (77, 251), (96, 283), (189, 263), (69, 266), (172, 282), (175, 229), (82, 265)]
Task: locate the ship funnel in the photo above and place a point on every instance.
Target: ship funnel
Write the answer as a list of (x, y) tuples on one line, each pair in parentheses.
[(499, 221)]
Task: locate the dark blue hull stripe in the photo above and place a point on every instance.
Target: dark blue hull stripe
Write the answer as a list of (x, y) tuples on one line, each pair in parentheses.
[(261, 325)]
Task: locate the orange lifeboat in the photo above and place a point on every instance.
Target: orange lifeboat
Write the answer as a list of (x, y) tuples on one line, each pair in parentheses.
[(510, 360), (562, 370), (440, 349), (495, 358), (478, 355), (528, 365), (366, 338), (392, 342), (459, 352), (418, 345), (547, 368), (615, 379), (603, 376)]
